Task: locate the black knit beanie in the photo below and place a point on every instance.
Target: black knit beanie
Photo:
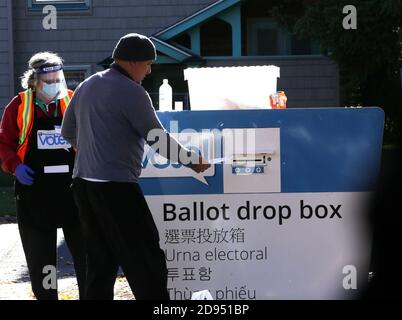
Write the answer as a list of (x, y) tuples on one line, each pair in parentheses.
[(134, 47)]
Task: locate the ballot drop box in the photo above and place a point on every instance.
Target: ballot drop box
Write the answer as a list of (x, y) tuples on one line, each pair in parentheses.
[(282, 213)]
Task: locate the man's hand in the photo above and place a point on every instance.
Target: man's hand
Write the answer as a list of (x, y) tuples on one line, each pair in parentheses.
[(201, 166)]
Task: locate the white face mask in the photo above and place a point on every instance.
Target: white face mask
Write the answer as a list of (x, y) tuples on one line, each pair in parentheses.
[(51, 90)]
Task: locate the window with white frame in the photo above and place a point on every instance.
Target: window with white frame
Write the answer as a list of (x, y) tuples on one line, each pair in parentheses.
[(63, 5), (266, 38), (76, 74)]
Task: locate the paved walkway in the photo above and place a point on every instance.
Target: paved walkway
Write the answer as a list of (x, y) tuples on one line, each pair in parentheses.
[(14, 278)]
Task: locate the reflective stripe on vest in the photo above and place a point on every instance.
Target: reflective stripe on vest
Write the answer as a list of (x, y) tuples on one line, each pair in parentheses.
[(25, 118), (65, 101)]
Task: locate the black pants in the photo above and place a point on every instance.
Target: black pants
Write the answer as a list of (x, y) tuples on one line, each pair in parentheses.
[(40, 247), (119, 231)]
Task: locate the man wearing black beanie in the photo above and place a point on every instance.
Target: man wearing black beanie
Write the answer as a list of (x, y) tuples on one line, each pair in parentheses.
[(134, 55), (134, 47), (108, 120)]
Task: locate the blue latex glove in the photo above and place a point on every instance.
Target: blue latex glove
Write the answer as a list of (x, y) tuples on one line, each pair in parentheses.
[(23, 173)]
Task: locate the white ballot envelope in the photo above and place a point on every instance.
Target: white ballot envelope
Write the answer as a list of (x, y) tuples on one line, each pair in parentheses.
[(201, 295)]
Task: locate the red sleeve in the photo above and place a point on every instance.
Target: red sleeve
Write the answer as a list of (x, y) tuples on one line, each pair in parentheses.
[(9, 134)]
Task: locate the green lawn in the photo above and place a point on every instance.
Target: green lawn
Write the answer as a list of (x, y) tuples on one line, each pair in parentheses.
[(7, 203), (6, 179)]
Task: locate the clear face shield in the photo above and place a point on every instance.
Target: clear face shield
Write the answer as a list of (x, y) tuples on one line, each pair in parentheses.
[(51, 82)]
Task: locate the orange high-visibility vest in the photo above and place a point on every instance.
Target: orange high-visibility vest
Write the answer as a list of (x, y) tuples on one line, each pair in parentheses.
[(25, 118)]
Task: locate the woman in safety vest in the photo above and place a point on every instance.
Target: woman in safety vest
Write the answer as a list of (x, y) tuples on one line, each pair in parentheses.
[(33, 150)]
